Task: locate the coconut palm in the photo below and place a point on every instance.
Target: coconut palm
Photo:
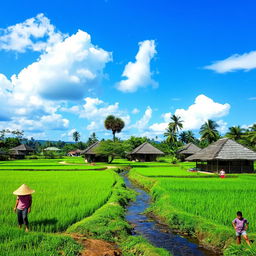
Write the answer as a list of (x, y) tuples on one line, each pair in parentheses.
[(187, 137), (253, 128), (209, 131), (176, 123), (235, 132), (76, 136), (171, 135), (115, 124)]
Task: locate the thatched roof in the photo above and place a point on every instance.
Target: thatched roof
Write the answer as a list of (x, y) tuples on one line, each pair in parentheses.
[(22, 147), (91, 149), (189, 148), (223, 149), (51, 149), (147, 149), (16, 153)]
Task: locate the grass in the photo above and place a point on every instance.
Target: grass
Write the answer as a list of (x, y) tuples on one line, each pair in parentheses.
[(173, 171), (202, 207)]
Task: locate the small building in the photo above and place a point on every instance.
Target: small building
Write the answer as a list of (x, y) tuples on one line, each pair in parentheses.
[(145, 153), (225, 154), (76, 152), (51, 149), (4, 155), (20, 151), (187, 150), (91, 156)]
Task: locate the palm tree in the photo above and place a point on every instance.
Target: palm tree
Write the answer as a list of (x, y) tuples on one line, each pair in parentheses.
[(253, 128), (171, 136), (76, 136), (235, 132), (176, 123), (209, 131), (187, 137), (115, 124)]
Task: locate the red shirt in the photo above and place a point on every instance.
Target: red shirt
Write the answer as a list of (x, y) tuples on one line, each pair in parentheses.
[(24, 202)]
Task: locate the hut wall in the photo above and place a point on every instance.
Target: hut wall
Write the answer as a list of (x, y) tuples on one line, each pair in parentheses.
[(234, 166), (95, 158), (144, 157)]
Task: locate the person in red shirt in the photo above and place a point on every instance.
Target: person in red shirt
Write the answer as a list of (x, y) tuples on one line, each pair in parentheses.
[(23, 205)]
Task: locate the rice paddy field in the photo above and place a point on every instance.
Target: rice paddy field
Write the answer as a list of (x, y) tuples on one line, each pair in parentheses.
[(61, 199), (192, 202)]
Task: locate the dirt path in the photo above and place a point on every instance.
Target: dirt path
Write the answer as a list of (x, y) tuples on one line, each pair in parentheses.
[(94, 247), (63, 162)]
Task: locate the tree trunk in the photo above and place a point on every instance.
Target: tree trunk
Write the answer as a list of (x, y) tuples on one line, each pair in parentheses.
[(114, 135), (110, 159)]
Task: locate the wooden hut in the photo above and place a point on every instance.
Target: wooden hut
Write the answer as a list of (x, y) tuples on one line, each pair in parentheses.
[(21, 151), (91, 156), (4, 155), (187, 150), (225, 154), (145, 153)]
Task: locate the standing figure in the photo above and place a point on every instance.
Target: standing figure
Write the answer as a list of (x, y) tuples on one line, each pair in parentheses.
[(23, 204), (240, 225), (222, 173)]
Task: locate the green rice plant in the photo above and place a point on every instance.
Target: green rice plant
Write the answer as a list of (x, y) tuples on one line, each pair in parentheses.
[(61, 198)]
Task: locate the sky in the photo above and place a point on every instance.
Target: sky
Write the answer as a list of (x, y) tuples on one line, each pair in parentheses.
[(66, 65)]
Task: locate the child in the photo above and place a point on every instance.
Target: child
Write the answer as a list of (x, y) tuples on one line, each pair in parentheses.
[(222, 173), (23, 204), (240, 225)]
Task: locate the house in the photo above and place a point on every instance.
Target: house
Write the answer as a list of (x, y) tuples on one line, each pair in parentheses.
[(20, 151), (145, 153), (3, 155), (225, 154), (76, 152), (51, 149), (187, 150), (91, 156)]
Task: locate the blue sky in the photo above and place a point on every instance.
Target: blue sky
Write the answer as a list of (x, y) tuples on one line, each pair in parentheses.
[(66, 65)]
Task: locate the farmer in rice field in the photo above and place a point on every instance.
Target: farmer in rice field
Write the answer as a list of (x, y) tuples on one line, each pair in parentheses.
[(23, 204), (240, 225)]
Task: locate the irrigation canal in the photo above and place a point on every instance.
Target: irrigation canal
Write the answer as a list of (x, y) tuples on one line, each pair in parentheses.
[(156, 233)]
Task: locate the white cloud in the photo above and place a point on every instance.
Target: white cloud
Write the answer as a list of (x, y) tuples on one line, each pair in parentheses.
[(143, 122), (246, 61), (138, 73), (223, 126), (252, 98), (135, 111), (159, 128), (35, 34), (96, 110), (203, 109)]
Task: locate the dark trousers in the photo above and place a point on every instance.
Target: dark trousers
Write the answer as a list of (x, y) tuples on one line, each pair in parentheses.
[(22, 216)]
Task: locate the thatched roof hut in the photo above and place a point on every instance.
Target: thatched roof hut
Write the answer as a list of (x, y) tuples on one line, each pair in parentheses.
[(187, 150), (91, 156), (20, 151), (145, 153), (225, 154)]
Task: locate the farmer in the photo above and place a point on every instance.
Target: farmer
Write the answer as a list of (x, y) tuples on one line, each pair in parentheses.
[(240, 225), (23, 204), (222, 173)]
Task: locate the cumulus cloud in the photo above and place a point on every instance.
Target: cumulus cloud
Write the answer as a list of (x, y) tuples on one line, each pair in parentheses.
[(67, 68), (203, 109), (135, 111), (246, 61), (159, 128), (34, 34), (138, 73), (143, 122), (96, 110), (223, 126)]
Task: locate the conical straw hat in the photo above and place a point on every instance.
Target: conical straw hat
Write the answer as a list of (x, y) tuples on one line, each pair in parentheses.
[(23, 190)]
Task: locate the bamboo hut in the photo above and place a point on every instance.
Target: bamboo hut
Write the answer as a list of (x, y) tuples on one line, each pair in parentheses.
[(187, 150), (21, 151), (145, 153), (91, 156), (225, 154)]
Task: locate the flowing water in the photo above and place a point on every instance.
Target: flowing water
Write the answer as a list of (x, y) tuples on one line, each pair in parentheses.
[(156, 233)]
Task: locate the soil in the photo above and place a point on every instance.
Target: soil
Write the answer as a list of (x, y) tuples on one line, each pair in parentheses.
[(94, 247)]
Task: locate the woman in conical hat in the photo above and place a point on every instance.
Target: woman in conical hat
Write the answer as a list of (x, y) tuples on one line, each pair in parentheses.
[(23, 204)]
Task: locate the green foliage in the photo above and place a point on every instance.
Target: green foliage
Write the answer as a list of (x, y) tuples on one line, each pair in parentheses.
[(61, 198), (112, 149), (76, 136), (209, 132), (115, 124)]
